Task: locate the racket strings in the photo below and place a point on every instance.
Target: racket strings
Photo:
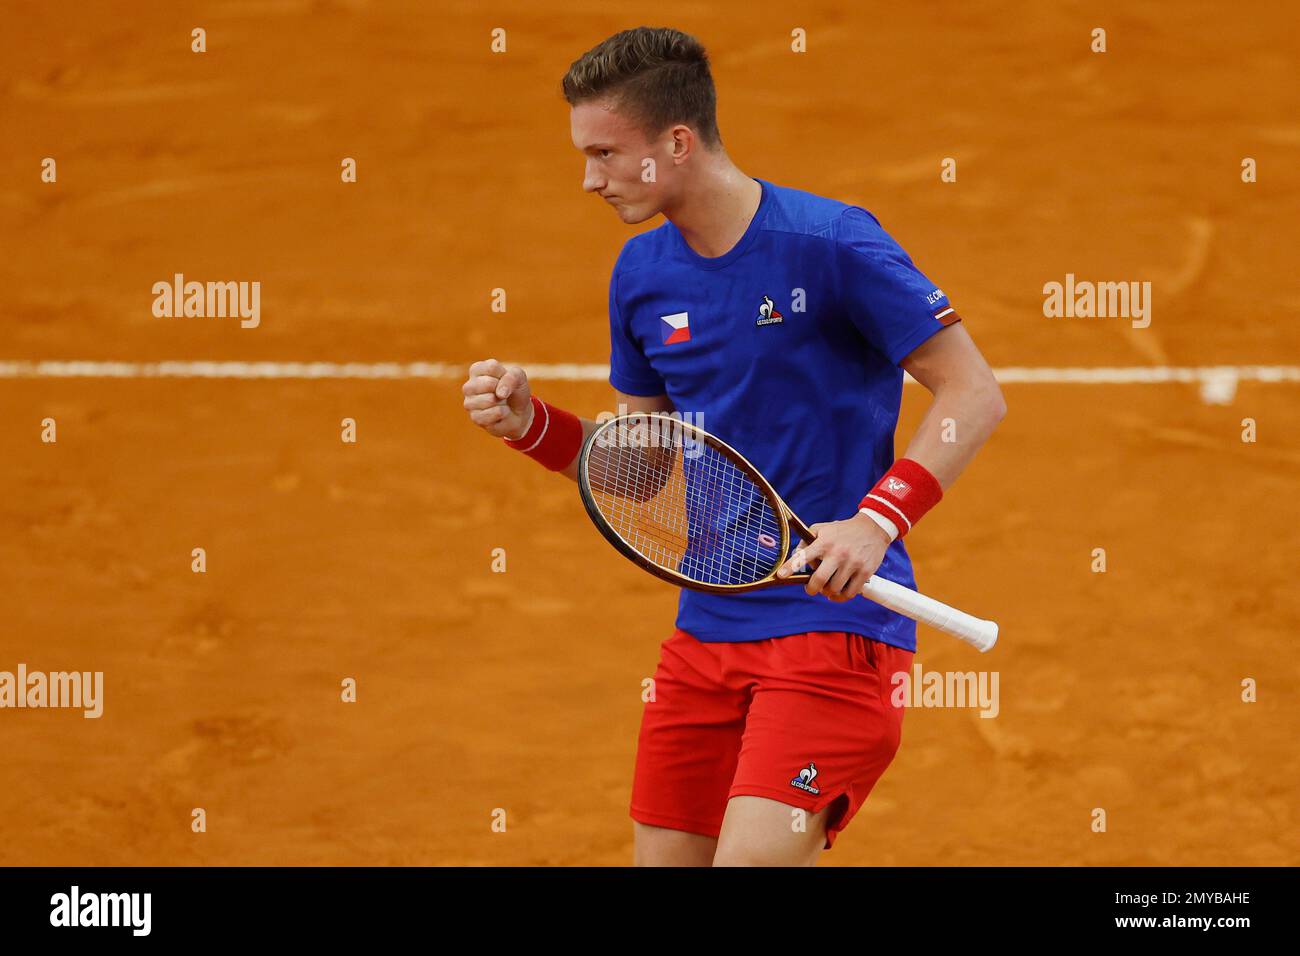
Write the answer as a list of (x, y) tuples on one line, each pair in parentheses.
[(686, 507)]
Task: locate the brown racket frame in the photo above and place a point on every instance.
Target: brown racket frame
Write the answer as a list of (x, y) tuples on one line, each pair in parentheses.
[(788, 519)]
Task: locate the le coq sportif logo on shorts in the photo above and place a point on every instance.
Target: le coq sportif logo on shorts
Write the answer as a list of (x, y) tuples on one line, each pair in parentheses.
[(804, 781)]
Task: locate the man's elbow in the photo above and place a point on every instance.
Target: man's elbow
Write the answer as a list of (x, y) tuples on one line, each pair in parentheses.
[(986, 395), (997, 404)]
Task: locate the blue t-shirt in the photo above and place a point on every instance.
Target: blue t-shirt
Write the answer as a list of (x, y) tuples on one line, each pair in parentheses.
[(787, 348)]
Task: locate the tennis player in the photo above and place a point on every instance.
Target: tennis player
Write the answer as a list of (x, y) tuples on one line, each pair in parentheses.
[(784, 321)]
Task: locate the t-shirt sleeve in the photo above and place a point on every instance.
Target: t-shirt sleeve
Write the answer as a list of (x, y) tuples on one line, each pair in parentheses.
[(885, 296), (629, 370)]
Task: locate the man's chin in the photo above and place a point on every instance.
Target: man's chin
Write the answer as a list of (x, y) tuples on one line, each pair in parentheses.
[(631, 215)]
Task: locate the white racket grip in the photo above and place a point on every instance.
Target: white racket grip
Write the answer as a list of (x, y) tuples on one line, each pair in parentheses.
[(980, 634)]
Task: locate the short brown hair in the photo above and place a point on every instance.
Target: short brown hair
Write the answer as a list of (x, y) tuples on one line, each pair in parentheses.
[(659, 75)]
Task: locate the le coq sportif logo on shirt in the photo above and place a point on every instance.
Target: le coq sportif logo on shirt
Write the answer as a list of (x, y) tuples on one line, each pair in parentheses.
[(767, 314)]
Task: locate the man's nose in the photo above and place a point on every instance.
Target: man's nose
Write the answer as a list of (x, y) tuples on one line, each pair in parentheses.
[(592, 181)]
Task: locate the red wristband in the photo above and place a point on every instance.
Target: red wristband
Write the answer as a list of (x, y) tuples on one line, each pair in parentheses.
[(554, 438), (903, 495)]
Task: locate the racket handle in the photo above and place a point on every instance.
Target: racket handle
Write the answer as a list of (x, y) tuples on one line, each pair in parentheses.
[(980, 634)]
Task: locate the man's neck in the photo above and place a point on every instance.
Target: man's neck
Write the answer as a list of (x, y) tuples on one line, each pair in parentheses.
[(715, 211)]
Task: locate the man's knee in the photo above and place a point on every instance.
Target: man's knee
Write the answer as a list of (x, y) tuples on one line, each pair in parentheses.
[(660, 846), (752, 855)]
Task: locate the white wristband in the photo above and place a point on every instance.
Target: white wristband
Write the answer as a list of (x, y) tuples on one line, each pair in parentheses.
[(886, 525)]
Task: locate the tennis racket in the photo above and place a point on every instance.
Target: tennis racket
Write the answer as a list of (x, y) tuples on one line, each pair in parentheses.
[(690, 509)]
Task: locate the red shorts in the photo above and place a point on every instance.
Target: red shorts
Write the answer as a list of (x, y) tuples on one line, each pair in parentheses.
[(806, 720)]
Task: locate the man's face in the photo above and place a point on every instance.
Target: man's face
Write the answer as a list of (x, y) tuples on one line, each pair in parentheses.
[(616, 149)]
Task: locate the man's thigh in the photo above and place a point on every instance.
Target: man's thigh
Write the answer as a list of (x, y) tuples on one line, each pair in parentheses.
[(757, 831)]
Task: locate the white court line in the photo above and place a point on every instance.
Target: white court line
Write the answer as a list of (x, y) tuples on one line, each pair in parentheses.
[(455, 371)]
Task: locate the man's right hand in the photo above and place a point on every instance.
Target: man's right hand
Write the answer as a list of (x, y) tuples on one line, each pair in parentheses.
[(498, 399)]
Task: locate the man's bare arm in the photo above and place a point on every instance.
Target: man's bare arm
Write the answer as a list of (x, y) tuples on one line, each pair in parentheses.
[(967, 403)]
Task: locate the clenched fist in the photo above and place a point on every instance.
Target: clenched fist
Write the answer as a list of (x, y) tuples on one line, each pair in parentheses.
[(498, 399)]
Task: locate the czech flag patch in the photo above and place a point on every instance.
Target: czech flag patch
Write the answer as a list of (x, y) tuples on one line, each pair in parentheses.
[(676, 328)]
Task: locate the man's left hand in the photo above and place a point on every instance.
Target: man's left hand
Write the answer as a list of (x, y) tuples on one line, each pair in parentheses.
[(846, 554)]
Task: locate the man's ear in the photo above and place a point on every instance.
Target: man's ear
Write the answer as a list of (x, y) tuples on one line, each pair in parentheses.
[(683, 142)]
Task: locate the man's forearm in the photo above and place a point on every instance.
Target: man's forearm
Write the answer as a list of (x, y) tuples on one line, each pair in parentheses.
[(571, 469), (960, 419)]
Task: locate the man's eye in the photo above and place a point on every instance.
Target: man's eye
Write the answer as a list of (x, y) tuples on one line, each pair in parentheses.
[(605, 154)]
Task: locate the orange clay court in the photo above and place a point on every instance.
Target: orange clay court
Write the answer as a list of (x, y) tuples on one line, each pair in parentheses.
[(521, 690)]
